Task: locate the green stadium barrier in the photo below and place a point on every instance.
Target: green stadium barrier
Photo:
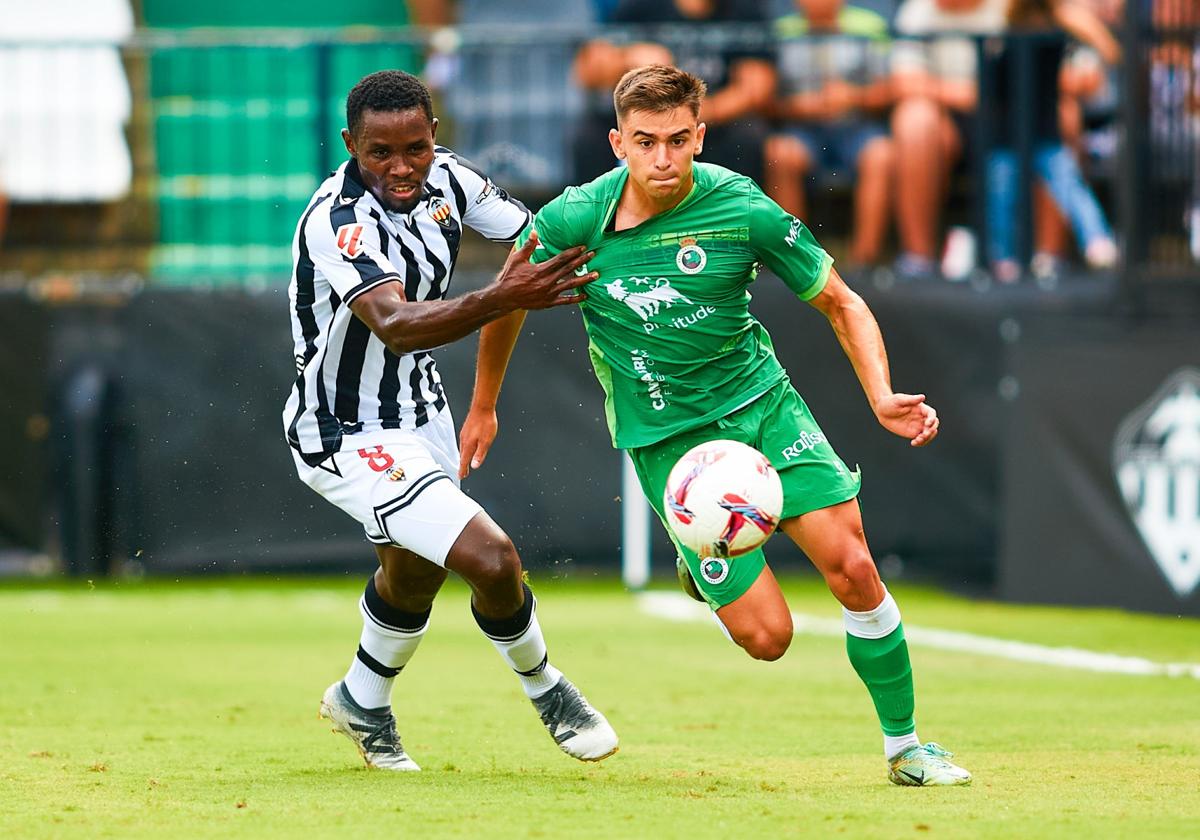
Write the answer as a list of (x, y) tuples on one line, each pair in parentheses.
[(243, 134)]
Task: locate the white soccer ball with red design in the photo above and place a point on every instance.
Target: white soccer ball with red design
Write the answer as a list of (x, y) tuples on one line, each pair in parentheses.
[(723, 499)]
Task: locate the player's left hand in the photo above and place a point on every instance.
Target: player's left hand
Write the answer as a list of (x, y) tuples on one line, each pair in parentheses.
[(475, 439), (909, 416)]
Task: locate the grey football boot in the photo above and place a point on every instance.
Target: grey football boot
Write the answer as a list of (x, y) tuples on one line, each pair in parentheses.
[(373, 732), (578, 729)]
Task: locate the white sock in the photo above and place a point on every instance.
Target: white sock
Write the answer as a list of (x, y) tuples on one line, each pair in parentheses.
[(519, 640), (893, 745), (875, 623), (383, 649)]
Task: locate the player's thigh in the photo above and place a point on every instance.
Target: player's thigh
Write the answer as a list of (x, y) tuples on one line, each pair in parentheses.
[(397, 487), (759, 619), (834, 540)]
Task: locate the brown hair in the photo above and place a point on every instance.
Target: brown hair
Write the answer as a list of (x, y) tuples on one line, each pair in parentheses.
[(657, 88), (1031, 12)]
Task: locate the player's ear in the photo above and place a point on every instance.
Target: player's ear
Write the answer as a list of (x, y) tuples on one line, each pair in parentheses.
[(433, 124), (614, 140), (349, 141), (701, 130)]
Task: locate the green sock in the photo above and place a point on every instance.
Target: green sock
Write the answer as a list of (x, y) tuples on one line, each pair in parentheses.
[(883, 665)]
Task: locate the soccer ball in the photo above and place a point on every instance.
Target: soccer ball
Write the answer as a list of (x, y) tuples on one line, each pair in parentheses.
[(723, 499)]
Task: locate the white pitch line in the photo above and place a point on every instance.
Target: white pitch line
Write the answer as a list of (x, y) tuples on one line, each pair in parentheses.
[(678, 607)]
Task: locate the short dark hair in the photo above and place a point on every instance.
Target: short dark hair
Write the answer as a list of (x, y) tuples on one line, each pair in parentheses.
[(656, 88), (386, 90)]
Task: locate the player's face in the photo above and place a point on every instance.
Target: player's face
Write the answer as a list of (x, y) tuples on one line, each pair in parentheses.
[(658, 147), (394, 150)]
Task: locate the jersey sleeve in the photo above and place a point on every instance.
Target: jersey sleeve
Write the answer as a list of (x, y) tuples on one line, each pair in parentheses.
[(489, 209), (554, 235), (349, 249), (783, 244)]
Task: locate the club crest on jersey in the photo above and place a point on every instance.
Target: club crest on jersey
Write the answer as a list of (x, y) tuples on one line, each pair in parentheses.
[(439, 211), (714, 569), (349, 240), (691, 258)]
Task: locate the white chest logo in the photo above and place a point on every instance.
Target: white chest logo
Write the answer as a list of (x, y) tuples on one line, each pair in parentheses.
[(1156, 457), (659, 294)]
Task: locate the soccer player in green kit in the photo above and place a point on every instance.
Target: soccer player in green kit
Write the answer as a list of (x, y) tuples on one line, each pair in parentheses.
[(682, 361)]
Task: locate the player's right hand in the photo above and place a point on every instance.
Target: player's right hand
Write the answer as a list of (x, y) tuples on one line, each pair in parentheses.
[(475, 439), (525, 285)]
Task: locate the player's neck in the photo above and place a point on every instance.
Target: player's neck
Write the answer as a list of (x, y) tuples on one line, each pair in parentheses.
[(637, 205)]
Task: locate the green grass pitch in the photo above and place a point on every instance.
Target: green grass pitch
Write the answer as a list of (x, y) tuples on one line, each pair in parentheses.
[(188, 709)]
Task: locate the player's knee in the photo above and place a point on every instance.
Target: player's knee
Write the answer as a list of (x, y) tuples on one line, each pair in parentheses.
[(496, 565), (412, 590), (767, 644), (853, 576)]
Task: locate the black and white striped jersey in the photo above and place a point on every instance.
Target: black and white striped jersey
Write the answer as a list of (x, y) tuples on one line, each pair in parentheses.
[(346, 244)]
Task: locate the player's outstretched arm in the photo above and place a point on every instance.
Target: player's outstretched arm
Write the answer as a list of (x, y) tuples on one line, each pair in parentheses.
[(406, 326), (496, 343), (907, 415)]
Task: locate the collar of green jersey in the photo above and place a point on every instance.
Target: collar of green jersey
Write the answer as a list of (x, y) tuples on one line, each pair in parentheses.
[(615, 199)]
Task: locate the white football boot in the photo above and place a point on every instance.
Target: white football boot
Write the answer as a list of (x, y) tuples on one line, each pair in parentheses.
[(578, 729), (373, 732)]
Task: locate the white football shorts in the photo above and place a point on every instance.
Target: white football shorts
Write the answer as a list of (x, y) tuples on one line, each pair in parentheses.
[(402, 485)]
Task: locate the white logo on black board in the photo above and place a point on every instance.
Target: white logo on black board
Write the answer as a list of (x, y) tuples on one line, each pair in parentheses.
[(1156, 457)]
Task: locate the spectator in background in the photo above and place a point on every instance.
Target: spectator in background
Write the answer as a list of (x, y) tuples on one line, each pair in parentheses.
[(834, 91), (1088, 91), (740, 78), (936, 95), (1174, 100), (1054, 163)]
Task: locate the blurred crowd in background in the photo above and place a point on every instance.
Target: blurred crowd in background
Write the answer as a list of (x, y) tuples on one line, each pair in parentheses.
[(931, 139)]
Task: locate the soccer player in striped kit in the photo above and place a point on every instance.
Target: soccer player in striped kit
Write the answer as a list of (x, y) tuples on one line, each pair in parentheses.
[(367, 418), (682, 361)]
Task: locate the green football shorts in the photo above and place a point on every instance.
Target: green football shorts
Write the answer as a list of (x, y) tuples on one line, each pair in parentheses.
[(779, 425)]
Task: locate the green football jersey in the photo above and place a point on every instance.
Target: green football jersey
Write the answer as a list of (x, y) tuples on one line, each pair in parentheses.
[(670, 334)]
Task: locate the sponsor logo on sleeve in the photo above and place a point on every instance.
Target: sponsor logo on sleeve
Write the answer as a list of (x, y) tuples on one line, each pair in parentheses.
[(793, 233), (349, 240)]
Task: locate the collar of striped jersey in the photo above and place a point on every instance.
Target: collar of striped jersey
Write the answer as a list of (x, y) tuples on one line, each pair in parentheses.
[(352, 183)]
